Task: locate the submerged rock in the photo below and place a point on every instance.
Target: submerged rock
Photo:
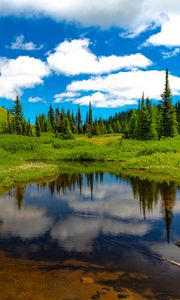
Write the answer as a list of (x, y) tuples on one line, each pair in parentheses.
[(177, 243), (87, 280)]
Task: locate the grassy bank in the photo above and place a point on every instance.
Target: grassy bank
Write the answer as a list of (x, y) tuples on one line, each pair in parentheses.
[(23, 158)]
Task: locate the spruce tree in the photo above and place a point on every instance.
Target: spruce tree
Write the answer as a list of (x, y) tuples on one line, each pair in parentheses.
[(169, 121), (144, 126), (79, 120), (90, 121), (153, 133), (51, 117), (133, 126), (117, 127), (29, 130), (67, 133), (18, 115), (110, 129), (37, 128)]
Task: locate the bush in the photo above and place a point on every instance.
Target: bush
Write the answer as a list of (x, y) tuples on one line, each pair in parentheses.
[(67, 144), (17, 143)]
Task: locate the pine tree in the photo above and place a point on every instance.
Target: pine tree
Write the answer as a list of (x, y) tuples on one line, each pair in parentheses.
[(169, 121), (29, 130), (133, 126), (18, 115), (79, 120), (24, 127), (144, 126), (73, 124), (37, 128), (90, 120), (117, 127), (110, 129), (67, 133), (51, 117), (153, 133)]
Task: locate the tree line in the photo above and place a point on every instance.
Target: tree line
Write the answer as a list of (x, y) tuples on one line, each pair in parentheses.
[(147, 122)]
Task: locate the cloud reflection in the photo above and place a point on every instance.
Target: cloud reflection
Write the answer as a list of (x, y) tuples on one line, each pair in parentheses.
[(27, 223)]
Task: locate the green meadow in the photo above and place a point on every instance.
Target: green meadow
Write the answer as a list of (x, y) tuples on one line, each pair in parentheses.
[(29, 158)]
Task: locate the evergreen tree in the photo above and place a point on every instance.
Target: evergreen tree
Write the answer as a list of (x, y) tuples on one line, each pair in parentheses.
[(37, 128), (67, 133), (153, 133), (29, 130), (18, 115), (73, 124), (117, 127), (90, 120), (133, 125), (51, 117), (79, 120), (24, 128), (143, 120), (110, 129), (169, 121)]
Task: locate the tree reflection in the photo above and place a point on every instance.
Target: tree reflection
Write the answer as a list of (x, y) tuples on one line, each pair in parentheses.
[(148, 193), (168, 196), (19, 195)]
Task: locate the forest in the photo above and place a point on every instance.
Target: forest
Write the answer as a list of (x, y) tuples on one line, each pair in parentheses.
[(148, 122)]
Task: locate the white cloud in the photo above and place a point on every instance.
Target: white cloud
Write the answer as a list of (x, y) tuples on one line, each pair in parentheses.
[(134, 16), (78, 233), (169, 34), (35, 99), (64, 97), (169, 54), (123, 88), (19, 74), (99, 99), (27, 223), (20, 44), (122, 13), (74, 58)]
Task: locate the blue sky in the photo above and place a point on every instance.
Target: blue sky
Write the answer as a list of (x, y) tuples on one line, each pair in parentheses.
[(107, 52)]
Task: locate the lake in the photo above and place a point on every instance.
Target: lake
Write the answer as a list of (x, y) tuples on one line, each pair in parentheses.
[(110, 230)]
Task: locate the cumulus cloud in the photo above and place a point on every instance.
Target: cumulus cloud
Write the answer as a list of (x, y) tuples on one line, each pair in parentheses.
[(74, 58), (20, 44), (169, 34), (67, 96), (132, 16), (28, 223), (99, 99), (112, 206), (123, 88), (122, 13), (79, 233), (19, 74)]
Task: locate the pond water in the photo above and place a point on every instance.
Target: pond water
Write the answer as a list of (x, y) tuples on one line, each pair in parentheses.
[(118, 224)]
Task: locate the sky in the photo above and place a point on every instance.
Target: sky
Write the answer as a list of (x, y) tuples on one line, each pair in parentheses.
[(66, 53)]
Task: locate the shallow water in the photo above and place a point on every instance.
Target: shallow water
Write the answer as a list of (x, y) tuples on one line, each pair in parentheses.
[(118, 224)]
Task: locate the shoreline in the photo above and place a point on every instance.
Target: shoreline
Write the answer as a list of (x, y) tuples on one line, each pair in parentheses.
[(25, 159)]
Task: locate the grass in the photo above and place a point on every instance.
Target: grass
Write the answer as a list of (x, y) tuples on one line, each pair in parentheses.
[(23, 158)]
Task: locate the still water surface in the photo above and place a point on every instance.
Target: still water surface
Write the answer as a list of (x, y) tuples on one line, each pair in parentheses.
[(121, 224)]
